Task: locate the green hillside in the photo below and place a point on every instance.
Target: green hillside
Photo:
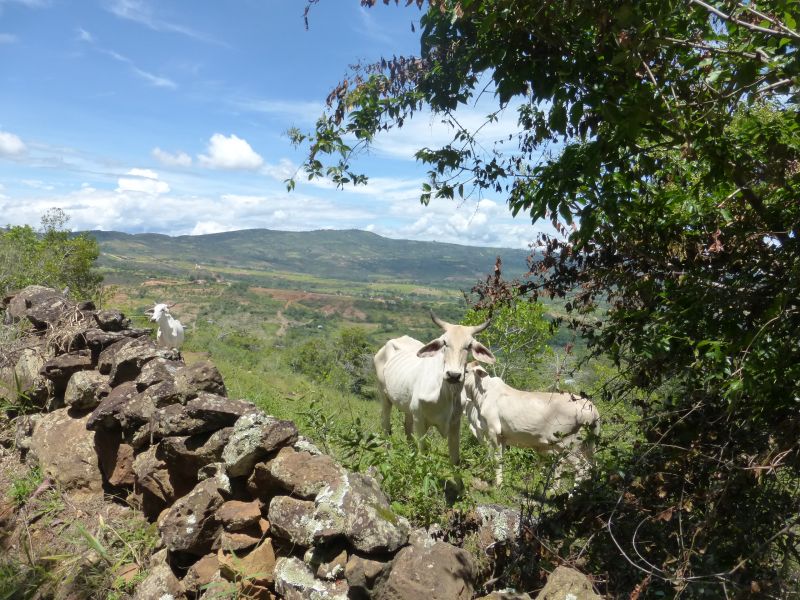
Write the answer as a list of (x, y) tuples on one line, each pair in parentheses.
[(254, 256)]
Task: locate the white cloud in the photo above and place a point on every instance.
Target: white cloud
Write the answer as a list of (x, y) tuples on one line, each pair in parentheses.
[(230, 153), (284, 170), (179, 159), (302, 112), (8, 38), (205, 227), (144, 181), (11, 145), (152, 79), (429, 130), (140, 11)]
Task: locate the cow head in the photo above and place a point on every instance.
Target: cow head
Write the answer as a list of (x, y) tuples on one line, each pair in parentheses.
[(473, 380), (457, 342)]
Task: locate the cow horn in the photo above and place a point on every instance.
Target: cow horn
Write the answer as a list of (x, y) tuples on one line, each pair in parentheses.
[(438, 321), (481, 327)]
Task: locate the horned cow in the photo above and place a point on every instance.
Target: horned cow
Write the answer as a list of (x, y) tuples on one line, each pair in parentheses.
[(424, 381)]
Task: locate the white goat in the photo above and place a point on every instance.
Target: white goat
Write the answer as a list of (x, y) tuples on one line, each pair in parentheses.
[(170, 330), (545, 421)]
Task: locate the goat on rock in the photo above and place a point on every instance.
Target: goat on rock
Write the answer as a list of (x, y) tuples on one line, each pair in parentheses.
[(170, 330)]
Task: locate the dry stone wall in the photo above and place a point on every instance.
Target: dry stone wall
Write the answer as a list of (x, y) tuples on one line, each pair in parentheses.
[(245, 506), (240, 498)]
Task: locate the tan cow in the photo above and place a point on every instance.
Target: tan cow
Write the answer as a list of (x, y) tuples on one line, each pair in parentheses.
[(545, 421), (424, 381)]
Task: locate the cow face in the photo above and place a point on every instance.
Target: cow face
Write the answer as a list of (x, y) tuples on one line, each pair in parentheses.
[(457, 342), (473, 380)]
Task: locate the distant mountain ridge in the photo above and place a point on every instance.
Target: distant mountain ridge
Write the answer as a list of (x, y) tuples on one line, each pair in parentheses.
[(352, 254)]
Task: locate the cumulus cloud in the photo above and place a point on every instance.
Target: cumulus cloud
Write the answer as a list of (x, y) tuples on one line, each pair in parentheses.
[(284, 170), (178, 159), (230, 152), (205, 227), (11, 145), (144, 181)]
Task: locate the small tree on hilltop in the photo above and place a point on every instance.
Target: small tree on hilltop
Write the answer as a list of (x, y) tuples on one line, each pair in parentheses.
[(52, 257)]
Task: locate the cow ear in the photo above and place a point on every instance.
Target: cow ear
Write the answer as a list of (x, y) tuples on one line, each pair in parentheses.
[(482, 353), (481, 372), (430, 348)]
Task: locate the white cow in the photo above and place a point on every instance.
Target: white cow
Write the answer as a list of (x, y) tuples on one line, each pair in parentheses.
[(170, 330), (545, 421), (424, 381)]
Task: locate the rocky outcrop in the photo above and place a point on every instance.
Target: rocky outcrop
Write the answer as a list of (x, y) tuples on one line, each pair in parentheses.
[(244, 506), (567, 583)]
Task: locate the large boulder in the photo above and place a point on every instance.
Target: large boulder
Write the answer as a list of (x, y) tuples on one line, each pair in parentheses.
[(299, 473), (77, 469), (363, 574), (111, 320), (40, 305), (435, 571), (199, 377), (191, 524), (567, 583), (354, 508), (123, 361), (86, 389), (255, 435), (156, 371), (191, 453), (293, 520), (115, 458), (356, 505), (294, 580), (160, 582), (60, 368), (109, 413), (158, 483), (25, 378), (207, 412)]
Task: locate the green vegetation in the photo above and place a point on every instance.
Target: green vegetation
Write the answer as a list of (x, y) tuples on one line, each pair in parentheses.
[(51, 257), (315, 260), (23, 487), (662, 141)]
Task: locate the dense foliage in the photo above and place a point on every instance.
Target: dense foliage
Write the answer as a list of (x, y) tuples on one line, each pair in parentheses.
[(662, 140), (51, 257)]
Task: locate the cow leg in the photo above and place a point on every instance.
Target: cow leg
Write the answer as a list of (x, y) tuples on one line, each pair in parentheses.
[(386, 413), (408, 426), (454, 440), (499, 451), (420, 429)]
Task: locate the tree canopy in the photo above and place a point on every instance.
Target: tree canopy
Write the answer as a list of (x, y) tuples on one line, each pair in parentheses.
[(52, 256), (661, 138)]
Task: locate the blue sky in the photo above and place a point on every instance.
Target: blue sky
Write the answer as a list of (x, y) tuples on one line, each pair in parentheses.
[(169, 116)]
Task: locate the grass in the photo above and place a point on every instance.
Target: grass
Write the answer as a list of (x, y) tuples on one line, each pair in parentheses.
[(23, 487)]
